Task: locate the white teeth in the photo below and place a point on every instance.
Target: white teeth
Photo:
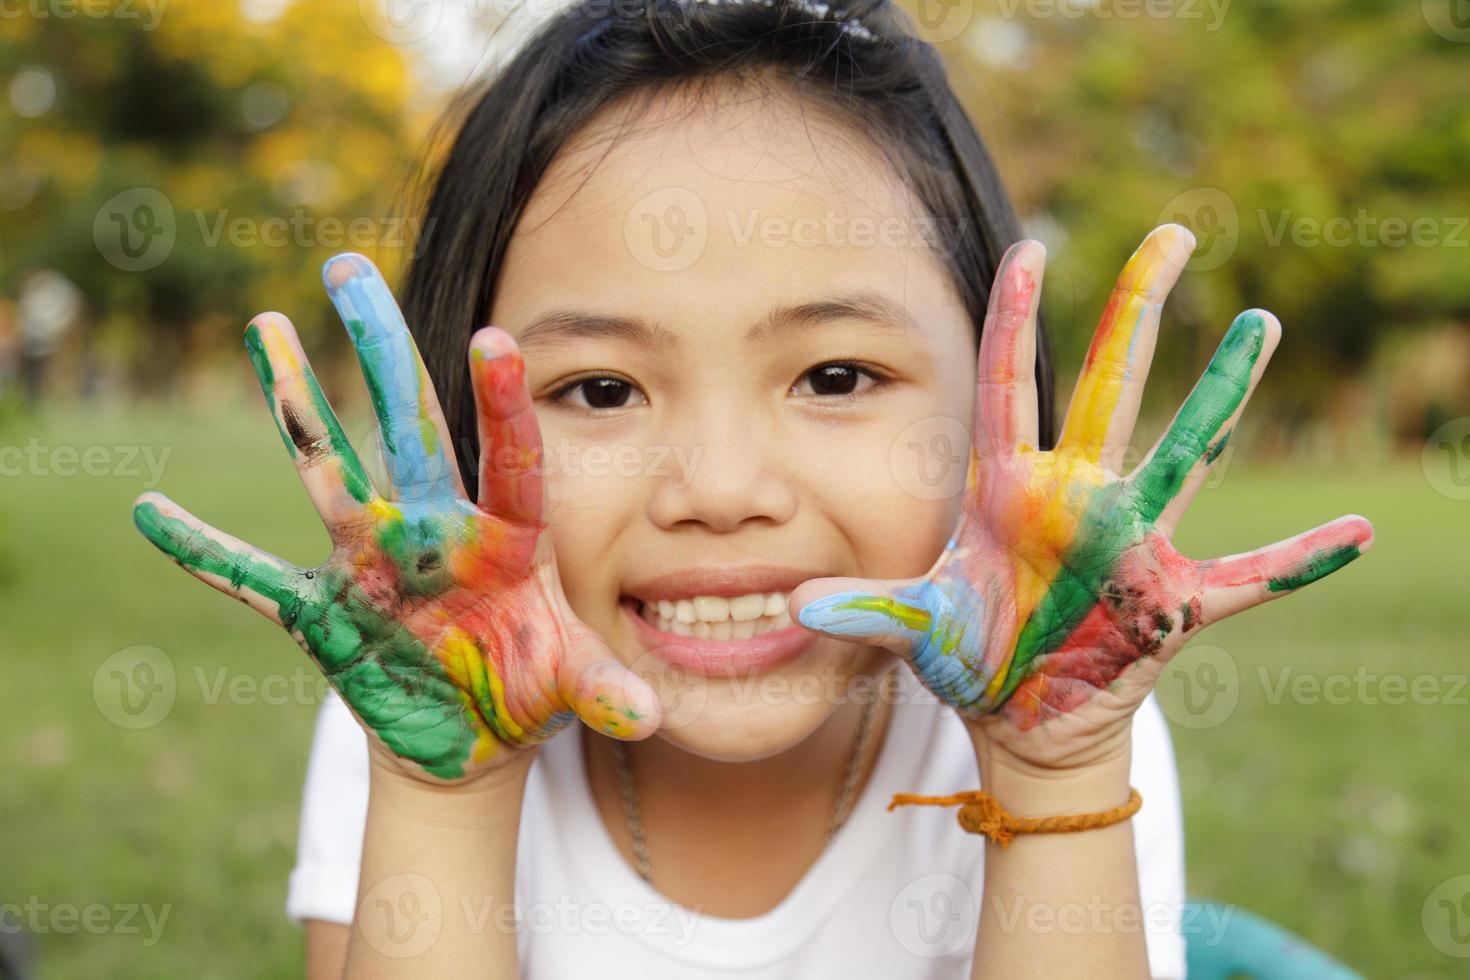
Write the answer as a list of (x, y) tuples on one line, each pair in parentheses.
[(711, 608), (747, 607), (717, 608), (713, 617)]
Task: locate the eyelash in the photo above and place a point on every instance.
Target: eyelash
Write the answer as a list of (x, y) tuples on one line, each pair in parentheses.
[(559, 395), (879, 378)]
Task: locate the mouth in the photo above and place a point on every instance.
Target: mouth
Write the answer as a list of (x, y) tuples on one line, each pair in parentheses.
[(718, 617), (719, 624)]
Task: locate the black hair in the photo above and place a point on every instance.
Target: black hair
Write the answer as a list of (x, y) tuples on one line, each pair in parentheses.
[(857, 58)]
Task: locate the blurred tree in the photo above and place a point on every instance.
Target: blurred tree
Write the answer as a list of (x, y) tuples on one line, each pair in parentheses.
[(189, 175), (1316, 147)]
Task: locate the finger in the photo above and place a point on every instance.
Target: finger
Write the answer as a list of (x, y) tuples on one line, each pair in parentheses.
[(1241, 581), (914, 619), (862, 611), (1005, 388), (1105, 402), (510, 440), (325, 460), (416, 442), (1203, 424), (1199, 472), (606, 695), (272, 587)]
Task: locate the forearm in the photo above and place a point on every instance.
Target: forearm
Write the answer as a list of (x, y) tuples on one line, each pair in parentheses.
[(437, 889), (1060, 904)]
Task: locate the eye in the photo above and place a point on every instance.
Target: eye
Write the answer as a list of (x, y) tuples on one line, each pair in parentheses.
[(598, 393), (838, 379)]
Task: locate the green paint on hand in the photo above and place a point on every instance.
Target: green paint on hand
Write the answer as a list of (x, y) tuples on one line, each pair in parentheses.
[(1209, 406), (391, 680), (1320, 564)]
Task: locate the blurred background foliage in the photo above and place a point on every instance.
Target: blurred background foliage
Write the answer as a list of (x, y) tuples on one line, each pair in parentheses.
[(305, 116), (1253, 123), (167, 171)]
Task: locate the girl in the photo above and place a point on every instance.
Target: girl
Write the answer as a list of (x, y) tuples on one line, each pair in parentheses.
[(750, 252)]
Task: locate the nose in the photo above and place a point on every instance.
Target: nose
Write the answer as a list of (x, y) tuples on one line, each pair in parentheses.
[(728, 474)]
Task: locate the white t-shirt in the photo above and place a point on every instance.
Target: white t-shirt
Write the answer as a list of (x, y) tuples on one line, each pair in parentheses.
[(894, 895)]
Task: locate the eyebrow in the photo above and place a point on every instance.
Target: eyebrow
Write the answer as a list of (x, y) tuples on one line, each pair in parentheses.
[(866, 305), (564, 326)]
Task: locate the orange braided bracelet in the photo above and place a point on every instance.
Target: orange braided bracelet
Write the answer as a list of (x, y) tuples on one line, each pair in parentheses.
[(981, 814)]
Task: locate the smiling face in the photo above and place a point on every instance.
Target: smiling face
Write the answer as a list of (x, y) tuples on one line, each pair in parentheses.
[(742, 347)]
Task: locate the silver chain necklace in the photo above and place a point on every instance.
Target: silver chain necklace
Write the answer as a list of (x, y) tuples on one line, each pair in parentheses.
[(839, 815)]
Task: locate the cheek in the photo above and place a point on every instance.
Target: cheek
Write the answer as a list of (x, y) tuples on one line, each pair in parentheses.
[(589, 502), (916, 500), (892, 490)]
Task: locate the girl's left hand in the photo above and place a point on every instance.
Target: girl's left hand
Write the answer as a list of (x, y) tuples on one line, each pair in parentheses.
[(1059, 599)]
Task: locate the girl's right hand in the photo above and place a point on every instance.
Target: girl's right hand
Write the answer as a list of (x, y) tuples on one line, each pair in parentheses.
[(441, 623), (1060, 598)]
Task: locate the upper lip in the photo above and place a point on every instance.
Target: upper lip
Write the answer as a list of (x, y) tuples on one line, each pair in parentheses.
[(727, 581)]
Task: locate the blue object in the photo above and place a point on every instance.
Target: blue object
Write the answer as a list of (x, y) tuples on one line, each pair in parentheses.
[(1225, 942)]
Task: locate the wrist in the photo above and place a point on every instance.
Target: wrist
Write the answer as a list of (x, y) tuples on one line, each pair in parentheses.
[(1027, 789), (468, 805)]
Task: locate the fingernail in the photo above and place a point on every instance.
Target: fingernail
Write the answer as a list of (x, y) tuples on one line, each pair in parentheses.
[(489, 343), (341, 269)]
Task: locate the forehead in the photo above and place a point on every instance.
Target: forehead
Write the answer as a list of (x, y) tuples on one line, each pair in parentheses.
[(720, 204)]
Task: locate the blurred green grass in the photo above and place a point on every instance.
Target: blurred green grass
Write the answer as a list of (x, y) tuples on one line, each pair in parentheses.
[(1335, 820)]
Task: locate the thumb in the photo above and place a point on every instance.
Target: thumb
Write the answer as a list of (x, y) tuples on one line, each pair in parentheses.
[(607, 696), (914, 619), (888, 614)]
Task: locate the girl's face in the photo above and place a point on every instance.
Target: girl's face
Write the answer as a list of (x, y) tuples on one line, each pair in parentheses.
[(750, 368)]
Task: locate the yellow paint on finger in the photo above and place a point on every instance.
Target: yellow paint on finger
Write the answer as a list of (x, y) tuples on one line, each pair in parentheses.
[(428, 431), (1108, 365)]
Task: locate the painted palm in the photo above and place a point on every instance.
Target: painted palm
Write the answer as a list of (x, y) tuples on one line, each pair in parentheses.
[(441, 622), (1060, 587)]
